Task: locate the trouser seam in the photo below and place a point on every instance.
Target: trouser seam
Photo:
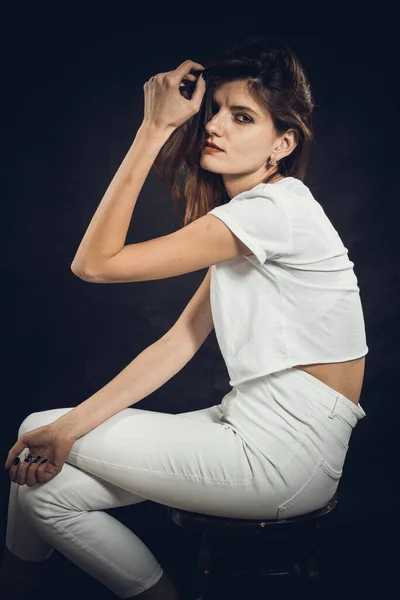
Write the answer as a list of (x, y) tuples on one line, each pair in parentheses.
[(78, 541), (165, 473), (333, 433), (145, 586)]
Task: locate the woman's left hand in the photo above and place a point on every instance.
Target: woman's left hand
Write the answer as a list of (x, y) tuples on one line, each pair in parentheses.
[(46, 442), (165, 107)]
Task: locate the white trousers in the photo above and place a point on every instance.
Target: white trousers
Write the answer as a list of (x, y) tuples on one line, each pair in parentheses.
[(273, 448)]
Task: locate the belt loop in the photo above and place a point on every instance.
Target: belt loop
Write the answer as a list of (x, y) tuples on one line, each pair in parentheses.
[(332, 413)]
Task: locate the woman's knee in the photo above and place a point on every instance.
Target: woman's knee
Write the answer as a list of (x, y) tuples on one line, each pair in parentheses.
[(24, 498), (28, 424), (38, 419)]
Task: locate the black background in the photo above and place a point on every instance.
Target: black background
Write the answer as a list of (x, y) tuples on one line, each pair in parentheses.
[(72, 103)]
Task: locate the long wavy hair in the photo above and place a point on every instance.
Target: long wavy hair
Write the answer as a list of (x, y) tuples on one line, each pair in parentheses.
[(277, 81)]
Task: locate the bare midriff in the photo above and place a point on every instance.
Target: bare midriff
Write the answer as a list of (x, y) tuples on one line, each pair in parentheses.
[(344, 377)]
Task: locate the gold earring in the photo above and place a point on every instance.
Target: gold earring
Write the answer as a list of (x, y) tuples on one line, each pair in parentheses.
[(273, 162)]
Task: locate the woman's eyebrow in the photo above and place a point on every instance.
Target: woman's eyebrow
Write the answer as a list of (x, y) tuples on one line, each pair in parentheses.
[(241, 107)]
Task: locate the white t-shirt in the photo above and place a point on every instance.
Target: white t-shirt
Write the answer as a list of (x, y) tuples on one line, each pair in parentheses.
[(295, 300)]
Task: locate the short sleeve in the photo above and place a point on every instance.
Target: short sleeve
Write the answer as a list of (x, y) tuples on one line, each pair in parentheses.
[(259, 219)]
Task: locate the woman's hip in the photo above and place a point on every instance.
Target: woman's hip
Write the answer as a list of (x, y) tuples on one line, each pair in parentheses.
[(291, 418)]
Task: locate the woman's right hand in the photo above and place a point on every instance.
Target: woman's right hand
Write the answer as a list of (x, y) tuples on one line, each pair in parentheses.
[(49, 447)]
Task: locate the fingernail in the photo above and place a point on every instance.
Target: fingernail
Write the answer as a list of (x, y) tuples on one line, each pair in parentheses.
[(16, 461), (28, 458), (43, 461), (37, 459)]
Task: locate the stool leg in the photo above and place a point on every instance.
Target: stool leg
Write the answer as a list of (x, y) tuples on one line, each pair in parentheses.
[(202, 570), (308, 565)]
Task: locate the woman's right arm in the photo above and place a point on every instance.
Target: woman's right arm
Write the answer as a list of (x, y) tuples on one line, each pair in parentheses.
[(153, 367)]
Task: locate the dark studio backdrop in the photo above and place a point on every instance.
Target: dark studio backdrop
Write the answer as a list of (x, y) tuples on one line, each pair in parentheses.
[(73, 93)]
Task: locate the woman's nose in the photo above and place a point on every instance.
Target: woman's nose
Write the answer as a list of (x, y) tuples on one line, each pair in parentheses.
[(213, 125)]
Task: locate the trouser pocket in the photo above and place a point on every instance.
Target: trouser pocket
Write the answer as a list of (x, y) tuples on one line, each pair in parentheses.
[(314, 494)]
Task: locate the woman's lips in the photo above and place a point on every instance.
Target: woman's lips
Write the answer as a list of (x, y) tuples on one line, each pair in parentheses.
[(211, 149)]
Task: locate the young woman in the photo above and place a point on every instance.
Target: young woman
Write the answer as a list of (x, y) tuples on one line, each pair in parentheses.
[(282, 295)]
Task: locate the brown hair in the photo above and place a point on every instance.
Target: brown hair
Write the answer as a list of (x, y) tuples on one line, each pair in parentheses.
[(277, 82)]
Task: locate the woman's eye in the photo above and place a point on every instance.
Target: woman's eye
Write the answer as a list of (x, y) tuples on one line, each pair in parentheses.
[(248, 120)]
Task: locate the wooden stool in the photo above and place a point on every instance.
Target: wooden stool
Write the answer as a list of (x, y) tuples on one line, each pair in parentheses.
[(298, 534)]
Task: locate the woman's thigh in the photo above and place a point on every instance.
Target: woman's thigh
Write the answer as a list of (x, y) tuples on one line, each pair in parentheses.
[(189, 460)]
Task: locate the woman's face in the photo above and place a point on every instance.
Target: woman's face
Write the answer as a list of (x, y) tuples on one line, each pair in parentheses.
[(246, 137)]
